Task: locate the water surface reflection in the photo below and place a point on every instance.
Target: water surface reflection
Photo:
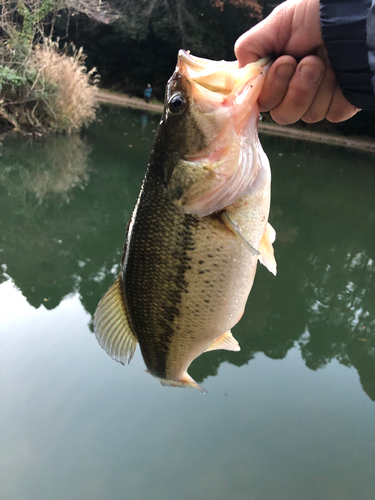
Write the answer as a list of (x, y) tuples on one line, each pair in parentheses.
[(65, 203)]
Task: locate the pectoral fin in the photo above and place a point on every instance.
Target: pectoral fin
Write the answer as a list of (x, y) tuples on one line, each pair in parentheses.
[(267, 257), (112, 327), (233, 226), (225, 341)]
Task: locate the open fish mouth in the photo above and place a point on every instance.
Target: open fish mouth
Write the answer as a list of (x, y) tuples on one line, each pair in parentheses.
[(222, 82), (214, 76)]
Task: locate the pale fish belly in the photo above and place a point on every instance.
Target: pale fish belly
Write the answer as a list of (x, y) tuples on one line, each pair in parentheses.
[(219, 281)]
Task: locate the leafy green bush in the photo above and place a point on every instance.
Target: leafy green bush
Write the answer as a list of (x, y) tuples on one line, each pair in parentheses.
[(9, 76)]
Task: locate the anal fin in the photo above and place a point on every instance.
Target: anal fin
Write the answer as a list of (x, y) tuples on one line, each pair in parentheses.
[(225, 341), (111, 325), (267, 257)]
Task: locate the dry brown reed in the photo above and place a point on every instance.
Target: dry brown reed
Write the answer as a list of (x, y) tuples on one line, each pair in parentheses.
[(73, 103), (58, 94)]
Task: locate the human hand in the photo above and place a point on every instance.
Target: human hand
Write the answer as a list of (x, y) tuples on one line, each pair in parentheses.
[(301, 83)]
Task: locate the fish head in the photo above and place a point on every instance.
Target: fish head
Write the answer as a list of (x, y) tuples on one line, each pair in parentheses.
[(210, 124)]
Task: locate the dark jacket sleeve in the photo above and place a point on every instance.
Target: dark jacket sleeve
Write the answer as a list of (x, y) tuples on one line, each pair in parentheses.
[(348, 31)]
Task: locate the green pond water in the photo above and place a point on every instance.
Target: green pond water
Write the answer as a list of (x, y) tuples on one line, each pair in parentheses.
[(289, 417)]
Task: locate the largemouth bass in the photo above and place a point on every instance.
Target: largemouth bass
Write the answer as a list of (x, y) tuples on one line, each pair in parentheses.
[(199, 227)]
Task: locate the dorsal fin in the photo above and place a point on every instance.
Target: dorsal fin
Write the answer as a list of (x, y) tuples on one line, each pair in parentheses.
[(111, 325), (225, 341), (267, 257)]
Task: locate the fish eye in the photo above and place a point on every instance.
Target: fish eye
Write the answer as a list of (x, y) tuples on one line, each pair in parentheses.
[(176, 104)]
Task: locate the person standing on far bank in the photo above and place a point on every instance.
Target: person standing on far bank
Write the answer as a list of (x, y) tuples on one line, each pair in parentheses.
[(147, 93)]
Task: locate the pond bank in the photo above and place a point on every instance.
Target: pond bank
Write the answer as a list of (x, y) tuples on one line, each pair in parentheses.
[(266, 128)]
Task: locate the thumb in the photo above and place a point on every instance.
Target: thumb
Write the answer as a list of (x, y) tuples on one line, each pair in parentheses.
[(293, 28), (269, 37), (258, 42)]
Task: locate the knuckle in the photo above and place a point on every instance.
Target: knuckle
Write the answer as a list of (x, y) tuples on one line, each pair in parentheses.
[(282, 118), (300, 98), (313, 116)]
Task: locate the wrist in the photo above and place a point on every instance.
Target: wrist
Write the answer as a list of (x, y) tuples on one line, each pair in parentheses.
[(343, 26)]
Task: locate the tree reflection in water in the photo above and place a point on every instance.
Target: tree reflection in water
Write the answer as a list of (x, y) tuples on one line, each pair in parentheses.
[(65, 202)]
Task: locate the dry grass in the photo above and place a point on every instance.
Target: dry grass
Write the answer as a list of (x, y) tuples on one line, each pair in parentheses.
[(73, 103), (58, 94)]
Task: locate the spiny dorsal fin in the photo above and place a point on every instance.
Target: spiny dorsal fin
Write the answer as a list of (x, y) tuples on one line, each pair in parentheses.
[(111, 325), (267, 257), (225, 341)]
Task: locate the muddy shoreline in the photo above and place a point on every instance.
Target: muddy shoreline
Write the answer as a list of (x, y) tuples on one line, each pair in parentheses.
[(266, 128)]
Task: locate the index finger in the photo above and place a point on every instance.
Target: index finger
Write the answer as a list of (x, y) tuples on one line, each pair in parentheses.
[(277, 82), (256, 43)]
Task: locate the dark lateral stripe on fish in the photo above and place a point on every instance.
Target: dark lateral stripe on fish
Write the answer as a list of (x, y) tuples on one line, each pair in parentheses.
[(174, 298), (160, 328), (173, 311)]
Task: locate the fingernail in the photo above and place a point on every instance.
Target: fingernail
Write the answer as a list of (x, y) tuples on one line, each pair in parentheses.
[(310, 74), (285, 72)]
